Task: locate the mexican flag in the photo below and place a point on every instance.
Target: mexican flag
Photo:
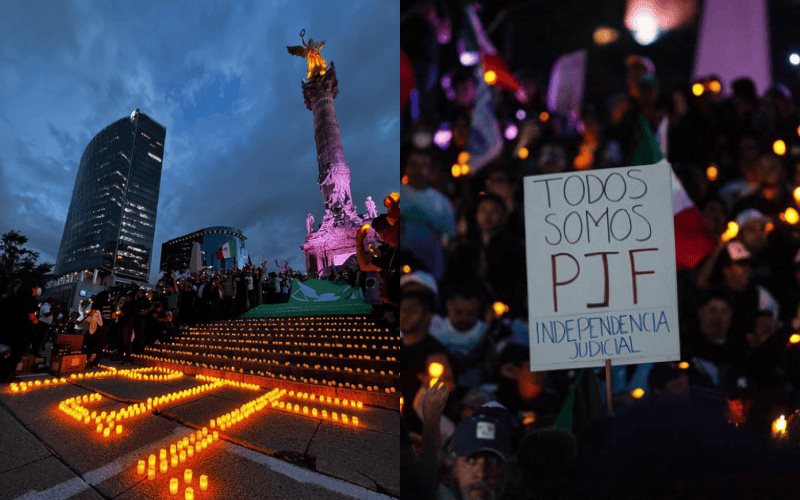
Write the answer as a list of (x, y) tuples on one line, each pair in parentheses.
[(226, 251)]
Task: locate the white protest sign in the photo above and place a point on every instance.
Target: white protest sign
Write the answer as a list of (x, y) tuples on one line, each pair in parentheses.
[(600, 248)]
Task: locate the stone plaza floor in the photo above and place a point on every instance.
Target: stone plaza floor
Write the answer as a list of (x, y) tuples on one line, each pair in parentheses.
[(271, 453)]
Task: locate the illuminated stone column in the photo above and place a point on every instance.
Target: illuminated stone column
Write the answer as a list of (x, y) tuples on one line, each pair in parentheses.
[(335, 241), (334, 174)]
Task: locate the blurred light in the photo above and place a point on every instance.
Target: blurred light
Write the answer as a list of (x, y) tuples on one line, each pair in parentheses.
[(798, 130), (769, 227), (779, 427), (697, 89), (435, 370), (712, 172), (511, 132), (605, 35), (683, 365), (469, 58), (456, 170), (404, 179), (791, 216), (442, 136), (447, 81), (463, 157), (796, 194), (465, 169), (779, 147), (794, 338), (644, 26), (715, 86), (637, 393), (730, 232), (544, 116), (406, 269), (523, 153), (521, 114), (499, 309), (794, 59), (490, 77)]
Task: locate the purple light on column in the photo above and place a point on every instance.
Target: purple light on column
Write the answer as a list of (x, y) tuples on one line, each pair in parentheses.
[(521, 114), (443, 136), (511, 132)]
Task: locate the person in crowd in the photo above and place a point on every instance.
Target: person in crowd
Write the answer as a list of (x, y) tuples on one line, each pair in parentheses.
[(463, 334), (493, 254), (477, 463), (427, 214), (19, 310)]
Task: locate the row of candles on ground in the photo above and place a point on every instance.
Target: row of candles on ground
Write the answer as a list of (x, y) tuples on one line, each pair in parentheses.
[(135, 374), (106, 422), (288, 352), (270, 374), (285, 327), (326, 399), (371, 371), (179, 453), (262, 361), (270, 346), (238, 336), (270, 342), (195, 442)]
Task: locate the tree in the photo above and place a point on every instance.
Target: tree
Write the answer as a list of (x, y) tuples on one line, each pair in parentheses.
[(18, 262)]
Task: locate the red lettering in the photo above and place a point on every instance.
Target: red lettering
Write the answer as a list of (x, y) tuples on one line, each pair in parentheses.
[(635, 273), (557, 283), (604, 255)]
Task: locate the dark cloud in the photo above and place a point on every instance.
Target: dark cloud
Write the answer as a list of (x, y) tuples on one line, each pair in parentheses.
[(240, 144)]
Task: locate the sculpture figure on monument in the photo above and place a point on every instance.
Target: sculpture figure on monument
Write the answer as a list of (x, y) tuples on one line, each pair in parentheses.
[(372, 210), (316, 63), (309, 223)]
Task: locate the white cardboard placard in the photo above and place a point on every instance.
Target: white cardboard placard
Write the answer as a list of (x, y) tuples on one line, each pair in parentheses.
[(600, 249)]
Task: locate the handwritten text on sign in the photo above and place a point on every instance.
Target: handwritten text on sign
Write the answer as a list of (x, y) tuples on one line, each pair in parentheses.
[(601, 267)]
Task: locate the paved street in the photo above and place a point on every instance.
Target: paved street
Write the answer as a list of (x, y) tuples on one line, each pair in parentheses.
[(269, 453)]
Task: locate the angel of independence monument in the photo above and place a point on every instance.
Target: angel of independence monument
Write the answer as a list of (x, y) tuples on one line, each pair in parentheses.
[(335, 240)]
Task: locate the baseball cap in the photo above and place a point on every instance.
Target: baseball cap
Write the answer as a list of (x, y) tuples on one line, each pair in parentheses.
[(481, 433), (420, 277), (748, 215)]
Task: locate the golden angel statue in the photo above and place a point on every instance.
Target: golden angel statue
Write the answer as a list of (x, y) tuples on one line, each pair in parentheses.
[(310, 50)]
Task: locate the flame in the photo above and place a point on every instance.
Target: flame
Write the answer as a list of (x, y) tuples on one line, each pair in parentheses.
[(779, 147), (730, 232)]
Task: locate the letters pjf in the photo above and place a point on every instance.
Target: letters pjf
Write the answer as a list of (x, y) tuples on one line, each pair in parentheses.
[(601, 267)]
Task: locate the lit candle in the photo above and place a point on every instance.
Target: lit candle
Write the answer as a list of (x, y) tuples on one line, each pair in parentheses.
[(140, 467), (173, 486), (187, 476), (119, 429), (189, 493), (163, 465), (151, 460), (106, 432), (151, 473)]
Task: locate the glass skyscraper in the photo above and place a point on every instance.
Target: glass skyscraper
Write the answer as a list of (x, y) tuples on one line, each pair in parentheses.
[(112, 216)]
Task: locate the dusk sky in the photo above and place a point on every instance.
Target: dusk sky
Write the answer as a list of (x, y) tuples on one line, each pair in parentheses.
[(240, 146)]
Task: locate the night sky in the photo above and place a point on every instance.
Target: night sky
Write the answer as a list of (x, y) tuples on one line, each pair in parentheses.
[(240, 143)]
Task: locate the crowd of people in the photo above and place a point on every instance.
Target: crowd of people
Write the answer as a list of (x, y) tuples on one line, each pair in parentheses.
[(123, 320), (477, 422)]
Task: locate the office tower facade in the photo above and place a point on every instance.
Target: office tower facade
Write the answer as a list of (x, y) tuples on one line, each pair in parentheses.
[(112, 216)]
